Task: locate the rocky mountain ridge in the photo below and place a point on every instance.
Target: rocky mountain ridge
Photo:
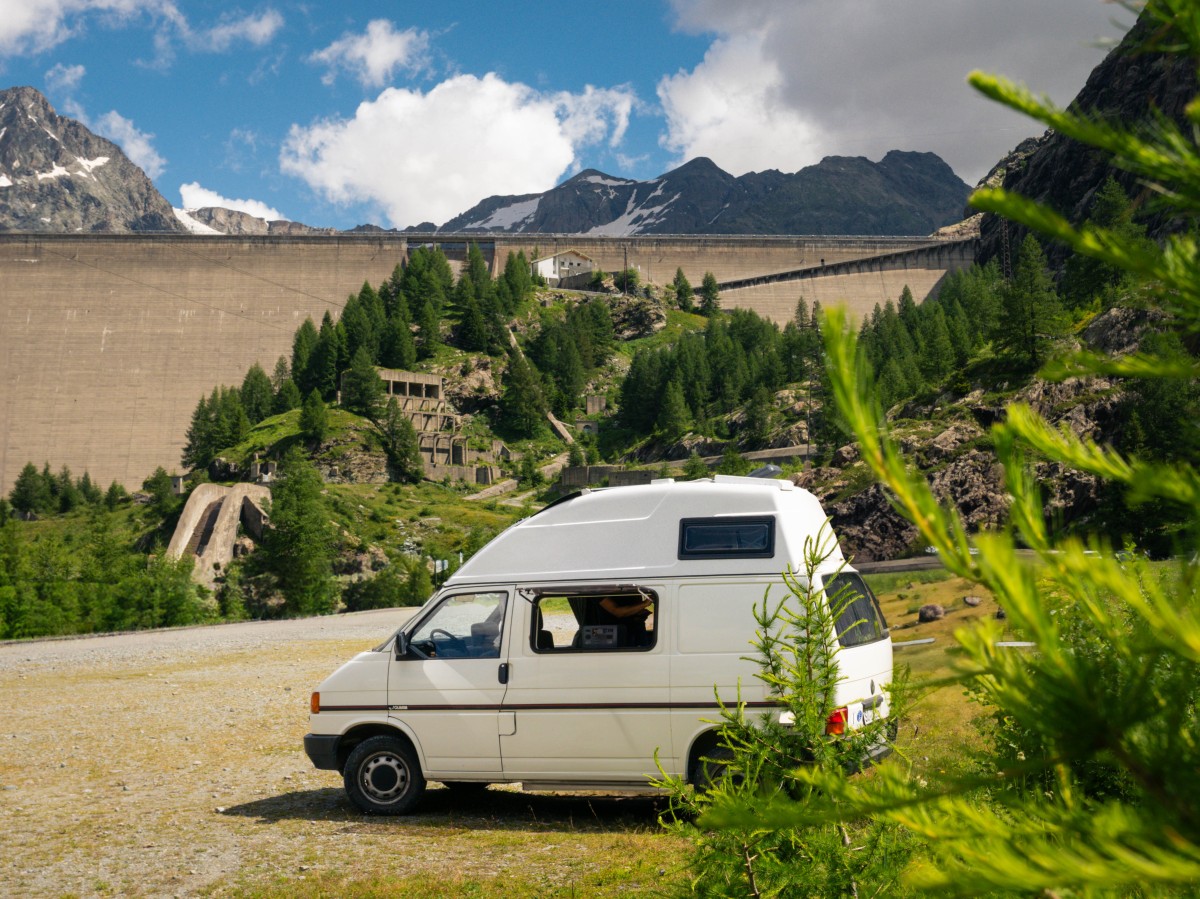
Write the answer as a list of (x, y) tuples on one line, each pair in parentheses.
[(904, 193)]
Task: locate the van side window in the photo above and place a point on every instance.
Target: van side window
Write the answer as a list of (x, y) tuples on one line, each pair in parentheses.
[(463, 626), (859, 618), (732, 537), (595, 623)]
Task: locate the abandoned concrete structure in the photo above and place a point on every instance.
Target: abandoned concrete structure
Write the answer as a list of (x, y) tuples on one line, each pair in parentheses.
[(444, 449), (208, 526)]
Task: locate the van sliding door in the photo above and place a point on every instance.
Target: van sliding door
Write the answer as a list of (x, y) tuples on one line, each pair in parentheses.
[(588, 687)]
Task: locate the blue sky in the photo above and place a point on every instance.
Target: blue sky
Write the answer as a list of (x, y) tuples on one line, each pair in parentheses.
[(341, 113)]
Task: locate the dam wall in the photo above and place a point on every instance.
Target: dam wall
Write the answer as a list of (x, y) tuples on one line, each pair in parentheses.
[(107, 342)]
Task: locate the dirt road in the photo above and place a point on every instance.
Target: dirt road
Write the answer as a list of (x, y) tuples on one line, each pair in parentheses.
[(170, 763)]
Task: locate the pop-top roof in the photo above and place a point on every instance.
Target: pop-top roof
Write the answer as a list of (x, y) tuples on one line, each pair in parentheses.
[(632, 533)]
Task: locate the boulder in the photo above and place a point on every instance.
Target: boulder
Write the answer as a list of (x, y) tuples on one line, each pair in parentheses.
[(930, 612)]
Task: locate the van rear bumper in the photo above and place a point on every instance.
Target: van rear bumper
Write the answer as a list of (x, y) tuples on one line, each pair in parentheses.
[(322, 751)]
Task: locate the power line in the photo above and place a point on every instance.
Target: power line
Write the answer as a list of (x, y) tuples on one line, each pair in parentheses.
[(192, 300)]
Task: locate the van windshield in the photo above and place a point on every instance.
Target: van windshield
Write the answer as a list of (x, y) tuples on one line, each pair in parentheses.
[(859, 619)]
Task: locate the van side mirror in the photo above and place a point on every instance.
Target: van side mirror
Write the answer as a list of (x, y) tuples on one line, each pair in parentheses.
[(401, 645)]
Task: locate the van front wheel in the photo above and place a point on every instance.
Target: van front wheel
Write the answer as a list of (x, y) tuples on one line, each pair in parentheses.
[(383, 777)]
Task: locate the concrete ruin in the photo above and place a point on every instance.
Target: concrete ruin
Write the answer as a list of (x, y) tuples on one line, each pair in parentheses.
[(208, 527)]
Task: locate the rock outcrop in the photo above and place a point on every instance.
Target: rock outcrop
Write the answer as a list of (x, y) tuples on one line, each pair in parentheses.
[(232, 221)]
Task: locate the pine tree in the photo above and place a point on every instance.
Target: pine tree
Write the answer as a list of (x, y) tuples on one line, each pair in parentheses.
[(674, 419), (30, 494), (429, 330), (710, 295), (200, 448), (937, 352), (522, 405), (314, 419), (281, 373), (472, 327), (288, 397), (162, 500), (1031, 318), (322, 369), (257, 395), (400, 443), (399, 351), (684, 296), (114, 496), (362, 388), (303, 344), (300, 541), (695, 468)]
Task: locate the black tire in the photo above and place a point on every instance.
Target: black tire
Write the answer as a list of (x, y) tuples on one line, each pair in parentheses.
[(383, 777), (466, 786), (710, 767)]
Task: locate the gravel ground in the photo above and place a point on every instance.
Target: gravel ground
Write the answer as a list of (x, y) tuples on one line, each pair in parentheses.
[(171, 763)]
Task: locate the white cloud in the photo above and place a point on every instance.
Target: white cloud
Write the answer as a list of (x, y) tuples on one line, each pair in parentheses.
[(138, 145), (64, 78), (31, 26), (732, 108), (256, 30), (429, 156), (34, 26), (374, 56), (786, 82), (196, 197)]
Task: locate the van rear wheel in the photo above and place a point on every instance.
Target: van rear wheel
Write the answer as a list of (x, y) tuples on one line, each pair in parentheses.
[(710, 767), (383, 776)]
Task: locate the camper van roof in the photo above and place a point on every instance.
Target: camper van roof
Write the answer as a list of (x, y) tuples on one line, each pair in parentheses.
[(643, 531)]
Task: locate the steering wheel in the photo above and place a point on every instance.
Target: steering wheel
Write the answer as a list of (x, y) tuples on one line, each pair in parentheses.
[(457, 644)]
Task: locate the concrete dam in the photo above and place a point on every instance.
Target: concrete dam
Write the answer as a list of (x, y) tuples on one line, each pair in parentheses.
[(109, 341)]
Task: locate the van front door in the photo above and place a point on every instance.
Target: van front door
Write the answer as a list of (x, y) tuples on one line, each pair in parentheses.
[(449, 683), (588, 688)]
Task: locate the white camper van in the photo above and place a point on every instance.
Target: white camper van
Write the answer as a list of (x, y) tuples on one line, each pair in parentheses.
[(583, 640)]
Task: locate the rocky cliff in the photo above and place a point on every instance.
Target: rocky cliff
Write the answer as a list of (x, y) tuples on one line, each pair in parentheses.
[(1130, 86), (902, 194), (56, 175)]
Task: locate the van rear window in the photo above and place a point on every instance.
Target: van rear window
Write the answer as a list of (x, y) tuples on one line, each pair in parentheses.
[(727, 538), (859, 619)]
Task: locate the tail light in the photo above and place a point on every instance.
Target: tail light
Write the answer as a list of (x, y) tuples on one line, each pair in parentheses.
[(835, 724), (314, 703)]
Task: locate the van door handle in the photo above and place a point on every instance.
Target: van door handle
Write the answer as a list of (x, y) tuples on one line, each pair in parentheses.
[(503, 672)]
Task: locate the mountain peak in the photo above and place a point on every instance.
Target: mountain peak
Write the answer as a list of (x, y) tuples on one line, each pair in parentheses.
[(58, 176)]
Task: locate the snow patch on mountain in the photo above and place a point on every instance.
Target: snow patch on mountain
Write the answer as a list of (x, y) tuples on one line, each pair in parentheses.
[(508, 216), (191, 224), (601, 179)]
